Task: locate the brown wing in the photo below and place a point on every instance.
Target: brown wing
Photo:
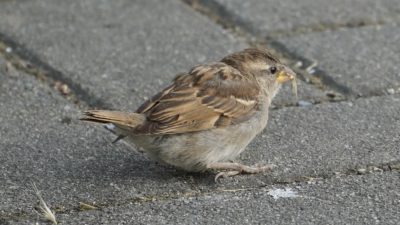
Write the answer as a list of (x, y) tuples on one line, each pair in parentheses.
[(209, 96)]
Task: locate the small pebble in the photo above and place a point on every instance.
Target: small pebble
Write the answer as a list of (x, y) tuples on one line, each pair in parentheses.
[(298, 64), (311, 71), (391, 91), (377, 169), (302, 103), (62, 88), (109, 126), (361, 171), (8, 49)]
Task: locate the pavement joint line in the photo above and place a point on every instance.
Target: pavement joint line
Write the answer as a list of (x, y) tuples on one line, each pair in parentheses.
[(216, 12), (13, 54), (318, 78), (315, 28), (23, 60), (26, 61), (357, 171), (223, 17)]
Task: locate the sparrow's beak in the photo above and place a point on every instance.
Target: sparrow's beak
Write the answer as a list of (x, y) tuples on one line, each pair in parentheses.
[(288, 75), (285, 75)]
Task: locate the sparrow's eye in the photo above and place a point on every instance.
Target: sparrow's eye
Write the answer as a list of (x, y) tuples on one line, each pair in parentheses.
[(272, 69)]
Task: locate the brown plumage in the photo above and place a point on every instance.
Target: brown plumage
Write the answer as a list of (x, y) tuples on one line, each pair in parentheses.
[(209, 100), (131, 120)]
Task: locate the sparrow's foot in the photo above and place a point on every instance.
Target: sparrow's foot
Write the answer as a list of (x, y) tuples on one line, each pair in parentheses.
[(233, 169)]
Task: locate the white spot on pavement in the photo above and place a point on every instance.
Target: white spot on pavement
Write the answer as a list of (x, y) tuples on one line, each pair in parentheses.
[(302, 103), (391, 91), (283, 193), (109, 126), (298, 64)]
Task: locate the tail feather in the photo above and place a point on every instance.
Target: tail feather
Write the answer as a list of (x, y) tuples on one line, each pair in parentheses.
[(123, 119)]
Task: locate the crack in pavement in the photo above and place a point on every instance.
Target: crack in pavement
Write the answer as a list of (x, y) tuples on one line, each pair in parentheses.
[(359, 170), (318, 78), (299, 30), (227, 19), (24, 60), (220, 15)]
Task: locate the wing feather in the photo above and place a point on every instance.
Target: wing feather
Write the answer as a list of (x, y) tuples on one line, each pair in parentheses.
[(208, 96)]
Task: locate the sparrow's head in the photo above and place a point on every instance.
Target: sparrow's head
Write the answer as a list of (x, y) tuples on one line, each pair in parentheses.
[(261, 65)]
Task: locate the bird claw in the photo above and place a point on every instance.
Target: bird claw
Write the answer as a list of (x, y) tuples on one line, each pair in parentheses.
[(225, 174), (235, 169)]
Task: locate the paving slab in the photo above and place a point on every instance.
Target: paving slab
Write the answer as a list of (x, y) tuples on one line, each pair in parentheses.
[(329, 138), (120, 52), (272, 18), (367, 199), (364, 59)]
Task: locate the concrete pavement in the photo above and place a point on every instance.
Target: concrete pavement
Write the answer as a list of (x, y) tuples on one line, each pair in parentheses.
[(338, 158)]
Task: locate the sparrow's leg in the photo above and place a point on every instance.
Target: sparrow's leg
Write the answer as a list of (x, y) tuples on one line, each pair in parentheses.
[(111, 127), (233, 169)]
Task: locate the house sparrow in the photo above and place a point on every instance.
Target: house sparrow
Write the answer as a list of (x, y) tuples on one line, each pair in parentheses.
[(207, 116)]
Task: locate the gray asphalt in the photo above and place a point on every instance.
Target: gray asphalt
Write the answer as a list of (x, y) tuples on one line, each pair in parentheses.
[(275, 18), (338, 160), (370, 54)]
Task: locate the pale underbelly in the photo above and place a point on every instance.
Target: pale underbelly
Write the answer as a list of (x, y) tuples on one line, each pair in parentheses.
[(193, 151)]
